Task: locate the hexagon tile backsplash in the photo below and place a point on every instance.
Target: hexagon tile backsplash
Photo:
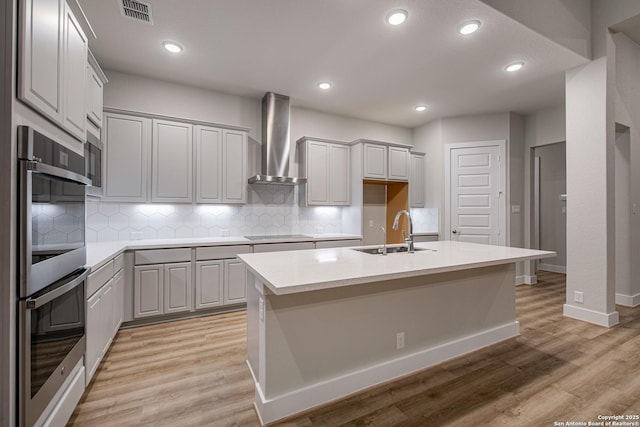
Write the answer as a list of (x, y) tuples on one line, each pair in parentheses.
[(270, 210)]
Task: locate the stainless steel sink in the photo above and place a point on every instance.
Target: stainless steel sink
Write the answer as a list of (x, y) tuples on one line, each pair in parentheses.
[(390, 250)]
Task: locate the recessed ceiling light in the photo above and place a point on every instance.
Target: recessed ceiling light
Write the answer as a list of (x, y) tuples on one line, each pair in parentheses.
[(421, 107), (172, 47), (514, 67), (397, 17), (324, 85), (469, 27)]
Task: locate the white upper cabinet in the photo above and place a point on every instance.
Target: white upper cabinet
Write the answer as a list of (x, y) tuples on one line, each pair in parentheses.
[(234, 166), (95, 90), (383, 161), (220, 165), (398, 164), (75, 76), (172, 164), (126, 152), (53, 60), (416, 181), (375, 161), (208, 164), (40, 77), (326, 166)]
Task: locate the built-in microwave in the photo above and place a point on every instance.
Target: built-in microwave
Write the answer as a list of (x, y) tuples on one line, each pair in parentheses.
[(93, 164)]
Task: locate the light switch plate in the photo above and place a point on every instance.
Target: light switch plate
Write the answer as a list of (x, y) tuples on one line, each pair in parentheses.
[(578, 296)]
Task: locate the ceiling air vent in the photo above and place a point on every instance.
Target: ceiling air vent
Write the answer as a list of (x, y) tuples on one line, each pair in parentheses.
[(138, 10)]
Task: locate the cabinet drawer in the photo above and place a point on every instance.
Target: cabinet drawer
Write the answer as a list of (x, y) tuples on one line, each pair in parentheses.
[(99, 278), (162, 256), (118, 263), (337, 243), (277, 247), (221, 252)]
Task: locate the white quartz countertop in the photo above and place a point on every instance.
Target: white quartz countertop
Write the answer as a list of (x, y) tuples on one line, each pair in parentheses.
[(301, 271), (99, 253)]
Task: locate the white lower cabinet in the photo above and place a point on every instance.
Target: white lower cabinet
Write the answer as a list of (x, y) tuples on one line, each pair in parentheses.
[(104, 310), (209, 284), (177, 288), (235, 282), (162, 289), (221, 278)]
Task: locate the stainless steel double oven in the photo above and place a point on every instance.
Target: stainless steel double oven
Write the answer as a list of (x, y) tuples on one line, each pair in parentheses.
[(51, 257)]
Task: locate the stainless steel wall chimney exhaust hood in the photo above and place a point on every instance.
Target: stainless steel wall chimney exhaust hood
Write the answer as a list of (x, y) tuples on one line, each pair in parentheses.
[(276, 143)]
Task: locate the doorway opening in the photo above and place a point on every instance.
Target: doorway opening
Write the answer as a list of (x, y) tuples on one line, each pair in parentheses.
[(550, 205)]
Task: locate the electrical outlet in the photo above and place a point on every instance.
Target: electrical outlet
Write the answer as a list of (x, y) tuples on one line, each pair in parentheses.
[(261, 309), (224, 232), (399, 340), (370, 223), (578, 296), (318, 230), (515, 208), (136, 235)]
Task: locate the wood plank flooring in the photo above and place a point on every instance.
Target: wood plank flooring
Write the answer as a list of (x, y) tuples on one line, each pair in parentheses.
[(193, 373)]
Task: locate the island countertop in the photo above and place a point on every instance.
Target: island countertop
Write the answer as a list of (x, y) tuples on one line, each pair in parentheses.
[(302, 271)]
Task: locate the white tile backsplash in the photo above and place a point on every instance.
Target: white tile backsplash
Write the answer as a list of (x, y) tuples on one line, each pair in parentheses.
[(270, 209), (425, 220)]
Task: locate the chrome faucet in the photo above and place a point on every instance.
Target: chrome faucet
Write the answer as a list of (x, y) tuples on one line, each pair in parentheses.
[(383, 249), (407, 239)]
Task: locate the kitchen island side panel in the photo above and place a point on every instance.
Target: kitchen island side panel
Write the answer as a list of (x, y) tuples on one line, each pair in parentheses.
[(317, 337)]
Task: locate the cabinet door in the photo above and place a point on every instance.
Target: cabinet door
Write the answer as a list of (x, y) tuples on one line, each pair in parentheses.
[(126, 152), (95, 90), (40, 76), (235, 282), (208, 164), (171, 171), (75, 72), (317, 164), (99, 330), (93, 331), (339, 175), (177, 287), (375, 161), (234, 166), (416, 182), (209, 280), (118, 301), (398, 163), (148, 292)]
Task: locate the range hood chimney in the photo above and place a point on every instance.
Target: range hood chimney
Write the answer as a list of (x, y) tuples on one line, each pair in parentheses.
[(276, 143)]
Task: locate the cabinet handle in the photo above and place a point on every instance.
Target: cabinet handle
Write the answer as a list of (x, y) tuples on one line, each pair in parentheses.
[(454, 231)]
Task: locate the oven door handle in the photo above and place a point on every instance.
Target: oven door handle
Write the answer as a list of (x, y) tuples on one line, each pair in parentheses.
[(57, 172), (62, 286)]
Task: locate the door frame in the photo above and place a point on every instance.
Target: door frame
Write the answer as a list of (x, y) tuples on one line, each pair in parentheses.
[(503, 186)]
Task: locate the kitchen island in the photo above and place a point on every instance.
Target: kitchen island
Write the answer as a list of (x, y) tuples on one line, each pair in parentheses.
[(326, 323)]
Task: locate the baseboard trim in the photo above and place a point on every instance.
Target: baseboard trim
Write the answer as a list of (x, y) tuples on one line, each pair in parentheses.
[(602, 319), (628, 300), (279, 407), (553, 268), (526, 280)]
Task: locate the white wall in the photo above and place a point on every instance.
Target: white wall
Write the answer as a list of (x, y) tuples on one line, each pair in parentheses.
[(627, 112), (566, 22), (590, 231), (605, 13), (136, 93)]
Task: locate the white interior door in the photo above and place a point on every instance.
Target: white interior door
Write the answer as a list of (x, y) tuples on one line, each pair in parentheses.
[(476, 199)]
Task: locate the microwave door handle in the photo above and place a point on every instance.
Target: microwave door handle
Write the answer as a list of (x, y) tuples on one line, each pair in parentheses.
[(57, 172), (33, 303)]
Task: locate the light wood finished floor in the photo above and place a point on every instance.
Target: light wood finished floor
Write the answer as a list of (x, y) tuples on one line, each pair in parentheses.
[(193, 373)]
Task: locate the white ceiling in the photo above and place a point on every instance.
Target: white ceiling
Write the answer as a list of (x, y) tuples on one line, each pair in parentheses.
[(379, 72)]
